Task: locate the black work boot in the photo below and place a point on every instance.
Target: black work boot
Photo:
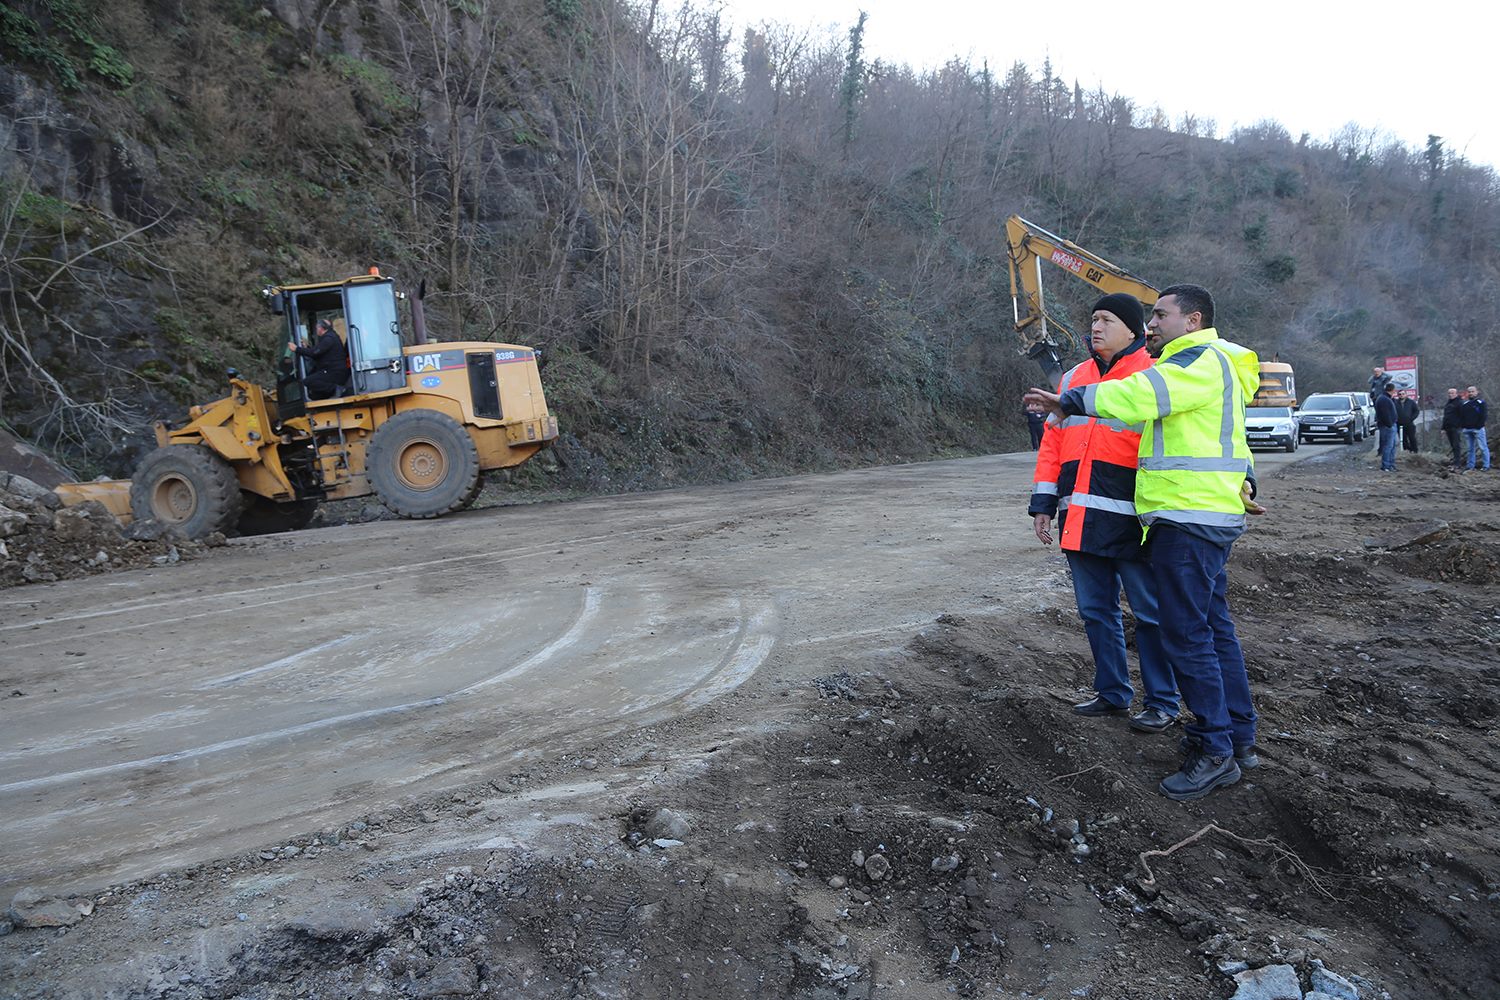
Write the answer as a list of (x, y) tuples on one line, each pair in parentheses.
[(1097, 706), (1200, 775)]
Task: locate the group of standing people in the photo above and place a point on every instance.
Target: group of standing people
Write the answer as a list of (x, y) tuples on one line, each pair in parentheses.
[(1145, 467), (1393, 413), (1464, 417)]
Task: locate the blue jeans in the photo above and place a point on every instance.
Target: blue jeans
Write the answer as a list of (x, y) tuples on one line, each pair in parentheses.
[(1387, 448), (1096, 586), (1476, 439), (1198, 637)]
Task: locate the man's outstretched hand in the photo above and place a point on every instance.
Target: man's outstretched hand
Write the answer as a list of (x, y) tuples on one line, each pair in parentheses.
[(1041, 399)]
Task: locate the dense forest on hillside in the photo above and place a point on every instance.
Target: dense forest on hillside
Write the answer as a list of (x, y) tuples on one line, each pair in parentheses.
[(741, 250)]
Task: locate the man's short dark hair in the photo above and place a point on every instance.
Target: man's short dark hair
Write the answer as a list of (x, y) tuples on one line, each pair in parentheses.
[(1192, 299)]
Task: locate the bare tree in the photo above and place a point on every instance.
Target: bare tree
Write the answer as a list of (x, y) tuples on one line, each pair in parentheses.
[(33, 281)]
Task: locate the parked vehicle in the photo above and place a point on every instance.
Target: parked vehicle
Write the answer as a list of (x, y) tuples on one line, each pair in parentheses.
[(1330, 415), (1278, 386), (1366, 405), (1272, 427)]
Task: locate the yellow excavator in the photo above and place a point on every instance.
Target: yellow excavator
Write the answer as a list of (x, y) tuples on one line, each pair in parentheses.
[(416, 424), (1049, 339), (1046, 337)]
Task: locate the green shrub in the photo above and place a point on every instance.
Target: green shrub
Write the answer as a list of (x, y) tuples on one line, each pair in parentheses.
[(66, 46), (375, 80), (1281, 269), (563, 11)]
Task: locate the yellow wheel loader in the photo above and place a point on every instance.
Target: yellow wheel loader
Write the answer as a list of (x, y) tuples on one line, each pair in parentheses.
[(416, 424)]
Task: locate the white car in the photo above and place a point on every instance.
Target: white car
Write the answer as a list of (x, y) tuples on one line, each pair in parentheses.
[(1271, 427)]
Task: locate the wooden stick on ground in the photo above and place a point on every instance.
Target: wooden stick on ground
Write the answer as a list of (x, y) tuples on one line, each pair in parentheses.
[(1280, 850)]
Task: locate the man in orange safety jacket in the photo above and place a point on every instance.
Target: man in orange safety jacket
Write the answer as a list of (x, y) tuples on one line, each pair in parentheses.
[(1085, 477)]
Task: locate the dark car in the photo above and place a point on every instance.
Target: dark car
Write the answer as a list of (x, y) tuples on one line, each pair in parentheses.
[(1271, 427), (1330, 415)]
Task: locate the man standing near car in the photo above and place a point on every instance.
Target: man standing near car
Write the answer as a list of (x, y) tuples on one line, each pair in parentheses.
[(1194, 486), (1476, 440), (1385, 420), (1378, 381), (1085, 476), (1453, 426), (1407, 412)]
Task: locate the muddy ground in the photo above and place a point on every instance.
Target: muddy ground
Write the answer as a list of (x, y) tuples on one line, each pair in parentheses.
[(928, 821)]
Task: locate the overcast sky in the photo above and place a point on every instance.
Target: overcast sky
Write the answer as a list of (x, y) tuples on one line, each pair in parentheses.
[(1313, 65)]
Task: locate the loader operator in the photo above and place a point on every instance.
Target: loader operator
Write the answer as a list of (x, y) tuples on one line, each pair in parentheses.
[(328, 362)]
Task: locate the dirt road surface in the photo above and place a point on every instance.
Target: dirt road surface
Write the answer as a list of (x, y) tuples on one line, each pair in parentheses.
[(432, 758)]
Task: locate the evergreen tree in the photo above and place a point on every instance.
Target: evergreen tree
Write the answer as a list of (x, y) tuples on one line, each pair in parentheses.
[(853, 86)]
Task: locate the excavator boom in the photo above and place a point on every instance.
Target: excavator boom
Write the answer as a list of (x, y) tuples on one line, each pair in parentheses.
[(1044, 336)]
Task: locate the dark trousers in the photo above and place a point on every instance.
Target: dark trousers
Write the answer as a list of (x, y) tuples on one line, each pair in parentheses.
[(1456, 443), (1198, 637), (1036, 435), (323, 385), (1097, 581), (1408, 437)]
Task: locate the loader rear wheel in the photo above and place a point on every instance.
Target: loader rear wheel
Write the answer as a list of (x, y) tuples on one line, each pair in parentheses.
[(186, 487), (261, 516), (422, 464)]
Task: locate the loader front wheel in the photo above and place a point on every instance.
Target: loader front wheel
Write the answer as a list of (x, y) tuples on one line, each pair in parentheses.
[(422, 464), (187, 488)]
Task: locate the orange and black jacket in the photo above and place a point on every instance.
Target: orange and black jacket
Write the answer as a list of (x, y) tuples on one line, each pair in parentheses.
[(1085, 468)]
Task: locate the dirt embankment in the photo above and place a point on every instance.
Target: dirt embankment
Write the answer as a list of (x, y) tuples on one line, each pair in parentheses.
[(933, 821)]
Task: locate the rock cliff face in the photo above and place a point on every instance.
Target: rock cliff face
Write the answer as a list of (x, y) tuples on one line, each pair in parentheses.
[(63, 149)]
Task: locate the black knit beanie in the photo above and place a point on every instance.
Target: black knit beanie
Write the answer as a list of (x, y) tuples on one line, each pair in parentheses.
[(1127, 308)]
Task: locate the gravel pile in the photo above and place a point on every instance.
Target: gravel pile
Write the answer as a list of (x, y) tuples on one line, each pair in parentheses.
[(41, 541)]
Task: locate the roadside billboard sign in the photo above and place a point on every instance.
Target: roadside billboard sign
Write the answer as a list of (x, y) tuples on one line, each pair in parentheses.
[(1403, 372)]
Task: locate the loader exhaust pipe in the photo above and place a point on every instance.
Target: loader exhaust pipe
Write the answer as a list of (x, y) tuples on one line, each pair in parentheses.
[(418, 315)]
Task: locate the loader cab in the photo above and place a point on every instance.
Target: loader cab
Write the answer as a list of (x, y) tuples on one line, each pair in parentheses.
[(363, 313)]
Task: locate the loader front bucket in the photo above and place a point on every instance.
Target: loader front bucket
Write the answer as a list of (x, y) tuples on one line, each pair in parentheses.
[(114, 494)]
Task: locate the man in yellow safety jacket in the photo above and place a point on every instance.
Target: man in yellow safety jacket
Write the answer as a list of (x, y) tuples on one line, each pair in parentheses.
[(1194, 485)]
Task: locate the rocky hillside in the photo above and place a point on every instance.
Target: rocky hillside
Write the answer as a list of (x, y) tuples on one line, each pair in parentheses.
[(742, 251)]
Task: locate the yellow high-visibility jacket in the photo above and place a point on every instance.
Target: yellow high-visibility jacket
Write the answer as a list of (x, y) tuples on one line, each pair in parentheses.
[(1193, 456)]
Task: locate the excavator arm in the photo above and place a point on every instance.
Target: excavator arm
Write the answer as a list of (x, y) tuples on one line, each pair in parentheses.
[(1045, 337)]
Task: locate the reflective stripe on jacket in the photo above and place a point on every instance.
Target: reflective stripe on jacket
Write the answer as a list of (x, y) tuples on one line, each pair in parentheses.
[(1193, 457), (1085, 468)]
